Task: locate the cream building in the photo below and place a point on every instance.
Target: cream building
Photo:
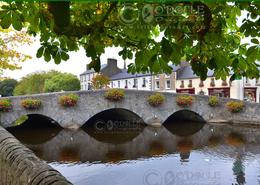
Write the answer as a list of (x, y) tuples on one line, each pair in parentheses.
[(181, 80)]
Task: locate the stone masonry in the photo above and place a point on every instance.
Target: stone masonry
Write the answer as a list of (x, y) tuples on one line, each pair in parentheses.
[(92, 102), (19, 166)]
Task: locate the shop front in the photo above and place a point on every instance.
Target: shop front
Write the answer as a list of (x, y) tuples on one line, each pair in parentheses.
[(250, 94), (186, 91), (221, 92)]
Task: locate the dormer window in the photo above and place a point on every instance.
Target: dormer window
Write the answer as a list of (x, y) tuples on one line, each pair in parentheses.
[(224, 83), (212, 82)]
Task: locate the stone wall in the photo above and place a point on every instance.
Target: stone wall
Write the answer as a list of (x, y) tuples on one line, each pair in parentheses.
[(19, 165), (93, 102)]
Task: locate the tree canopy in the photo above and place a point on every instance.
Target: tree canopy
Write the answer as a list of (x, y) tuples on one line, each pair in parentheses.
[(33, 83), (10, 57), (50, 81), (62, 82), (204, 33), (100, 81), (7, 87)]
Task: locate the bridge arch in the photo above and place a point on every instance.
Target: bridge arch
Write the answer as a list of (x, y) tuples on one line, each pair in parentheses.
[(114, 114), (34, 121), (184, 123), (185, 115)]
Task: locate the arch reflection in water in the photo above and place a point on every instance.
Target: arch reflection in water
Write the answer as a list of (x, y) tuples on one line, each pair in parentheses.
[(184, 123), (115, 126), (36, 129)]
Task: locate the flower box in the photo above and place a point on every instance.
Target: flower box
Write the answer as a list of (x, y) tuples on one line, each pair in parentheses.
[(31, 104), (69, 100), (235, 106), (5, 105), (213, 101), (156, 99), (184, 100), (114, 94)]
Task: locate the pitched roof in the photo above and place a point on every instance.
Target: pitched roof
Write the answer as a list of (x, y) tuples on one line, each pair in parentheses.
[(92, 70), (125, 75), (186, 72)]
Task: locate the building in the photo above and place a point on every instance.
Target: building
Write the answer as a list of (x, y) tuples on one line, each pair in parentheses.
[(108, 69), (181, 80)]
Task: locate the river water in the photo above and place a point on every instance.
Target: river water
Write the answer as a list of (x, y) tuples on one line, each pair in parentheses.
[(174, 154)]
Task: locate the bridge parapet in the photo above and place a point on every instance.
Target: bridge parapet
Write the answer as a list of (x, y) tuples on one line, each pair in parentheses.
[(93, 102)]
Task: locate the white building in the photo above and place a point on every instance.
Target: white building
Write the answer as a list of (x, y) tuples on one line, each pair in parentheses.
[(181, 80)]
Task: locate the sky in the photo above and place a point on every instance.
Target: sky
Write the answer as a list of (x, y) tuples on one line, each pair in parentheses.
[(75, 65)]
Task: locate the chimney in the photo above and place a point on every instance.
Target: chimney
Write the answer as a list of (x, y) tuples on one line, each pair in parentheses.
[(112, 62), (87, 67), (124, 64)]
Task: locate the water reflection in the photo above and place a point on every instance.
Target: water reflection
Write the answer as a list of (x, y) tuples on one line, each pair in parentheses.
[(183, 128), (88, 156)]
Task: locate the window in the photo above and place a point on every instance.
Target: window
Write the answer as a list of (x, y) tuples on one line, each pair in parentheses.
[(144, 82), (89, 86), (168, 84), (118, 83), (247, 80), (224, 83), (157, 84), (111, 84), (257, 81), (212, 82), (126, 85), (201, 83), (190, 83), (135, 83), (182, 84)]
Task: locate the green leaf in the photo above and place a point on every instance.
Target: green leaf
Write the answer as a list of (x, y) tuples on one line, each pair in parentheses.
[(16, 21), (166, 47), (57, 59), (251, 54), (39, 52), (95, 64), (255, 41), (47, 55), (6, 21), (64, 56), (91, 51)]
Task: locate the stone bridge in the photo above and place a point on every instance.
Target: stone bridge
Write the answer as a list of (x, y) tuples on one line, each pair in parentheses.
[(134, 103)]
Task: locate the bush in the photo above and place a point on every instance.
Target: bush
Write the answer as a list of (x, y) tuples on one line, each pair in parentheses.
[(115, 94), (31, 104), (5, 105), (235, 106), (213, 101), (156, 99), (69, 100), (184, 100)]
